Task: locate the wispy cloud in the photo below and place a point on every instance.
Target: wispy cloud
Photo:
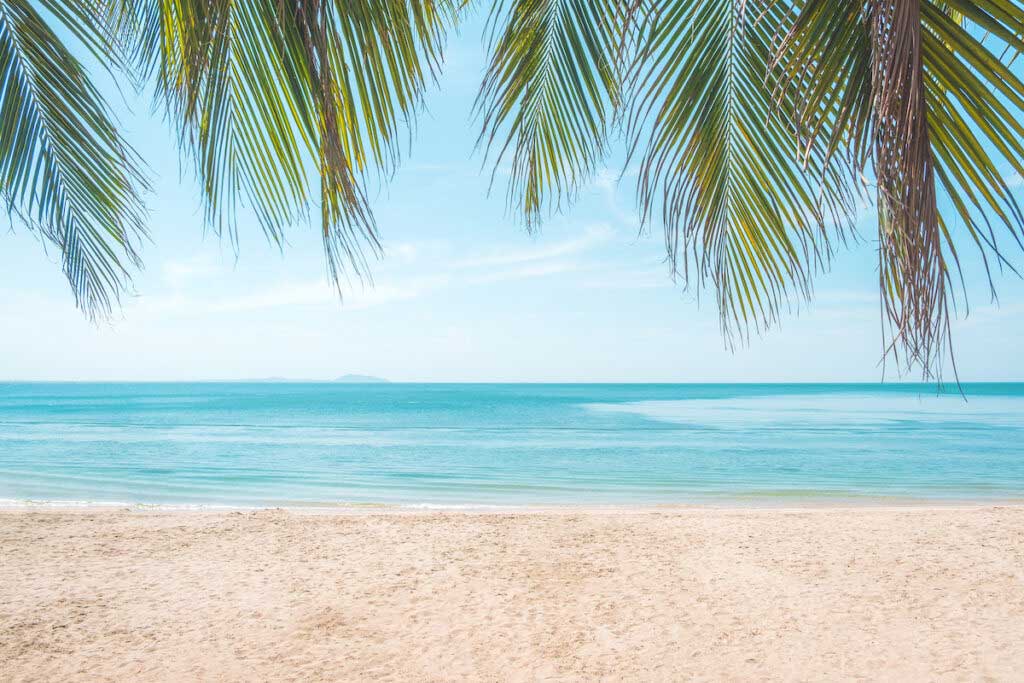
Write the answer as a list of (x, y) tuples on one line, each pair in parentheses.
[(606, 181), (592, 237), (526, 273), (653, 278), (993, 314), (181, 272), (292, 294), (188, 296), (404, 252)]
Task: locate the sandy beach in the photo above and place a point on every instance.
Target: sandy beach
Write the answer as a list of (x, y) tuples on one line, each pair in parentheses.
[(712, 594)]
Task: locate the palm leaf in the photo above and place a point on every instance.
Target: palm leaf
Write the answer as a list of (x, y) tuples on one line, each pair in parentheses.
[(549, 94), (917, 95), (64, 169), (267, 93), (719, 163)]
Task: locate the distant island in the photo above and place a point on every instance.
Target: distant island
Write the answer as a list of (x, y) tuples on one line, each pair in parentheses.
[(361, 379), (347, 379)]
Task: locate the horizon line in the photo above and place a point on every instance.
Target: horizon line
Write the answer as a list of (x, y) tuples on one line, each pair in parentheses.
[(382, 381)]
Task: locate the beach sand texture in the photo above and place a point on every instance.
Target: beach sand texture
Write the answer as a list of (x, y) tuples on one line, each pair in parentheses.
[(816, 594)]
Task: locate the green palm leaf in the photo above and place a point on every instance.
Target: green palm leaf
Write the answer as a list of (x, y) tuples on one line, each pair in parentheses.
[(742, 210), (754, 122), (267, 93), (549, 94), (64, 169)]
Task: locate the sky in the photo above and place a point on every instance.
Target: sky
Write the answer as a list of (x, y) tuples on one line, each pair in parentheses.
[(463, 293)]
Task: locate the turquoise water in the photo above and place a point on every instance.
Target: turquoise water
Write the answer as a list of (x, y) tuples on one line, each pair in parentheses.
[(264, 444)]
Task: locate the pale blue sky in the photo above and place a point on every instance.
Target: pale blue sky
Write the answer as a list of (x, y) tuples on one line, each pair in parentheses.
[(463, 294)]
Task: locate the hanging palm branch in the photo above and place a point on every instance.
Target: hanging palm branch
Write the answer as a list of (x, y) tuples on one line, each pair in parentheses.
[(65, 172), (718, 161), (267, 93), (919, 96), (756, 125), (550, 92)]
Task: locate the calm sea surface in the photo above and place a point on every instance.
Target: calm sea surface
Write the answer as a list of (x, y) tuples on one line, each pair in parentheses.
[(263, 444)]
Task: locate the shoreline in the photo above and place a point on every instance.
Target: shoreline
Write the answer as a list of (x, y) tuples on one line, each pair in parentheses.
[(758, 505)]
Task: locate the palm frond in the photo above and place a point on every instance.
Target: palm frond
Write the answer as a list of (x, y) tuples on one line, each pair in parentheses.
[(913, 96), (550, 93), (267, 91), (912, 266), (719, 162), (64, 169), (975, 109)]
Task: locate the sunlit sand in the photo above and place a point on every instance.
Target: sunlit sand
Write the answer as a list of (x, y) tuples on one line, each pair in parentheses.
[(816, 594)]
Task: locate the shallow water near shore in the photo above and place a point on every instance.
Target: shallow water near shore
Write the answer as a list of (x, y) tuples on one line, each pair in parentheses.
[(426, 445)]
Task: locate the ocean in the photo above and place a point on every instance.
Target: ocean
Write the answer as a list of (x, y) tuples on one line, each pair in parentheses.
[(454, 445)]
